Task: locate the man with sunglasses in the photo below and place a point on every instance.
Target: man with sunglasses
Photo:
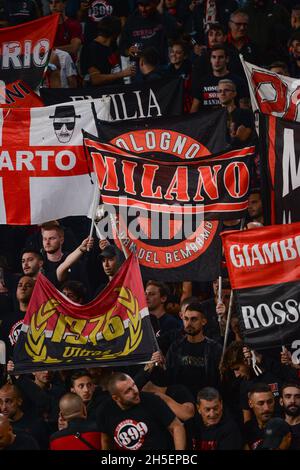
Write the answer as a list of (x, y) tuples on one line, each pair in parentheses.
[(240, 122)]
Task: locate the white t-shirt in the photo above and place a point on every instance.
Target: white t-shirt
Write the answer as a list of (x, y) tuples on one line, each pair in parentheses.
[(67, 67)]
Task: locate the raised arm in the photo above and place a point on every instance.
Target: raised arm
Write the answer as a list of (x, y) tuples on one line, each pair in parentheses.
[(62, 269)]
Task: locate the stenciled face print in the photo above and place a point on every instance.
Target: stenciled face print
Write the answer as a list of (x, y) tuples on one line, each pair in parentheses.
[(64, 128), (64, 121)]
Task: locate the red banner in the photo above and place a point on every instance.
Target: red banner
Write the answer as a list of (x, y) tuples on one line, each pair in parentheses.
[(25, 49), (19, 95), (264, 271), (43, 167), (114, 328), (262, 256)]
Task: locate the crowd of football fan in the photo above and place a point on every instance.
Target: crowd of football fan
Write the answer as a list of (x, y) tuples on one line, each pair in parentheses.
[(188, 396)]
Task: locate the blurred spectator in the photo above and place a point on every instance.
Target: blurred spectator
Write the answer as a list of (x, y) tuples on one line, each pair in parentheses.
[(69, 34), (90, 12), (268, 28), (14, 441), (290, 403), (201, 64), (295, 17), (294, 53), (20, 11), (255, 208), (277, 435), (100, 60), (181, 66), (148, 27), (149, 64), (240, 122), (11, 406), (12, 321), (173, 8), (75, 291), (279, 67), (68, 71), (156, 297), (79, 434), (198, 15), (239, 43)]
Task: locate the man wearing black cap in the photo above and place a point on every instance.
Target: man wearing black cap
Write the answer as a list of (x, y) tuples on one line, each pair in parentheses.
[(110, 261), (277, 435)]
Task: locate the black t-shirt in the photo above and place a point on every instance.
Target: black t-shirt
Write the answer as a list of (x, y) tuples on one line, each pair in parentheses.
[(10, 328), (103, 58), (98, 9), (77, 272), (252, 434), (222, 436), (206, 91), (20, 11), (23, 442), (35, 427), (144, 426), (295, 430), (240, 117), (191, 369)]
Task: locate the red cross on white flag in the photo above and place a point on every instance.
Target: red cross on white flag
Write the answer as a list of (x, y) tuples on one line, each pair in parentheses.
[(43, 168)]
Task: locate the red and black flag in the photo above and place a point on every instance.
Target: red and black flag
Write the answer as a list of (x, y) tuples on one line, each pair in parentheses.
[(162, 170), (25, 50), (264, 271), (113, 329), (19, 95), (281, 157), (276, 98)]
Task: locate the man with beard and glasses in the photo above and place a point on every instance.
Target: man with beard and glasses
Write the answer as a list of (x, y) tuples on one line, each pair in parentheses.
[(193, 359), (134, 420), (290, 402), (262, 403)]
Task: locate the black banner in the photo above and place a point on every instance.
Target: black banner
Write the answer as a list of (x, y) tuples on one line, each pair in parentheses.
[(155, 99), (283, 156), (180, 254), (264, 271), (269, 315), (215, 187)]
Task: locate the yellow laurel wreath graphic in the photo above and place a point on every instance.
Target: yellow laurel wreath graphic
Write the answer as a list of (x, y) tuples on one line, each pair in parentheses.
[(35, 346), (130, 302)]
